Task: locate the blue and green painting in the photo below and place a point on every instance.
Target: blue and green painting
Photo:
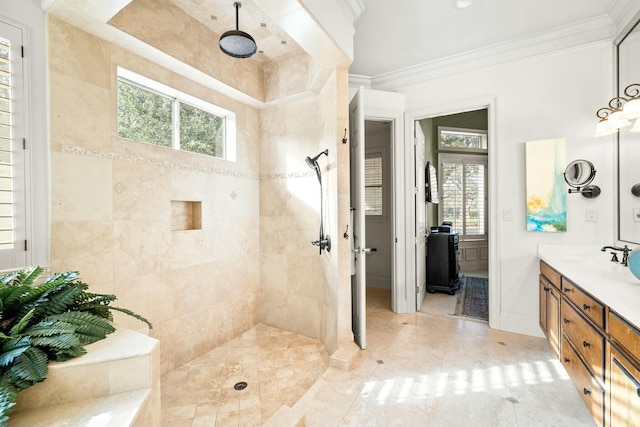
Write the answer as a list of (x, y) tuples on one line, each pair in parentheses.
[(546, 194)]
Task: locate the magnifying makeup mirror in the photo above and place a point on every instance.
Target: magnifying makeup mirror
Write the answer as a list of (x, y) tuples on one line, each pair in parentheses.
[(579, 174)]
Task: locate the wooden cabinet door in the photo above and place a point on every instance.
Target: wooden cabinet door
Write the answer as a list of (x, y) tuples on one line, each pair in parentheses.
[(544, 291), (553, 319), (624, 390)]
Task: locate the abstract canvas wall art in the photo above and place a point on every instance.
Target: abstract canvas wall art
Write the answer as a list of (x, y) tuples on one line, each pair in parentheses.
[(546, 193)]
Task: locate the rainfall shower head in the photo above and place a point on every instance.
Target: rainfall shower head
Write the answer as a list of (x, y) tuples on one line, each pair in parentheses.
[(313, 161)]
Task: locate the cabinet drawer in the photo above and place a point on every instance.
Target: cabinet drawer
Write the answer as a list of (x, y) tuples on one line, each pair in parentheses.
[(585, 338), (623, 400), (589, 388), (591, 308), (624, 333), (551, 275)]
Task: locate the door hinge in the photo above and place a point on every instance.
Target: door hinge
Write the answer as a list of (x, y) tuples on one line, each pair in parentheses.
[(417, 289), (24, 143), (415, 141), (415, 190), (25, 245), (22, 51)]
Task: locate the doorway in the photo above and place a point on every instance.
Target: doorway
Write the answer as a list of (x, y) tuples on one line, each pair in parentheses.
[(457, 144)]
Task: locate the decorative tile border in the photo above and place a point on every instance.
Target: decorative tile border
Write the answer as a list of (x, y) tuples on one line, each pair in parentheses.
[(111, 155)]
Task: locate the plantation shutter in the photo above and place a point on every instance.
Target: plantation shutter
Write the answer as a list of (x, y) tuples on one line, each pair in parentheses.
[(373, 184), (463, 196), (13, 251)]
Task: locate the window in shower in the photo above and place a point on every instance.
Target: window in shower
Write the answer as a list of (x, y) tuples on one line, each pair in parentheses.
[(151, 112)]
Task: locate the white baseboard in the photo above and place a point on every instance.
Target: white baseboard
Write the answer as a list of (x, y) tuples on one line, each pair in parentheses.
[(520, 325), (378, 282)]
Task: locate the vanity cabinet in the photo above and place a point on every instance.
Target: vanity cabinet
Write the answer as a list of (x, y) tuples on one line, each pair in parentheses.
[(623, 370), (599, 348), (550, 305)]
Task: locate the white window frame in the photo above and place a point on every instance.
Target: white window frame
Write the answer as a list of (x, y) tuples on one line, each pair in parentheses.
[(483, 134), (386, 191), (145, 83), (464, 159), (20, 255)]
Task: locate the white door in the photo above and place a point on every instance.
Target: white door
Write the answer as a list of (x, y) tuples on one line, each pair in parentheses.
[(358, 280), (421, 219)]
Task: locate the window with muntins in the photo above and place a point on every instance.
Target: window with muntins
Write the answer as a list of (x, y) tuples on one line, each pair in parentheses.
[(151, 112)]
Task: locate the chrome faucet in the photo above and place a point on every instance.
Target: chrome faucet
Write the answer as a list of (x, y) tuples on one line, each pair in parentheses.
[(625, 253)]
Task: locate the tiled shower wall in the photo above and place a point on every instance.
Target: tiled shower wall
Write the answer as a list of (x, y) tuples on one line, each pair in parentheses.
[(112, 205), (252, 261)]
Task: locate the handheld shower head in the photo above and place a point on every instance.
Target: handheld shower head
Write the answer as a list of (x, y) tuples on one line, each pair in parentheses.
[(313, 161)]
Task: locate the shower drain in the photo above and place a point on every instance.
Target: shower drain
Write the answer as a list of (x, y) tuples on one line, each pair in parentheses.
[(240, 386)]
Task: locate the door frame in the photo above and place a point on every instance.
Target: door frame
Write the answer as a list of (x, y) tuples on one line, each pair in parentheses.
[(493, 204), (389, 107)]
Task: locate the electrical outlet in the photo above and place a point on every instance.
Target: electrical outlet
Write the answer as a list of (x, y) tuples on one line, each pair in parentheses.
[(592, 215), (636, 214), (507, 215)]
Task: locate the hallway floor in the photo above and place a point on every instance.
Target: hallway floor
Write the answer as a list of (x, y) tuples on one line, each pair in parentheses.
[(418, 370)]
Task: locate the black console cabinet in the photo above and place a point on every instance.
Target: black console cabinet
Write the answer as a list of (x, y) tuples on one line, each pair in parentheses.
[(442, 262)]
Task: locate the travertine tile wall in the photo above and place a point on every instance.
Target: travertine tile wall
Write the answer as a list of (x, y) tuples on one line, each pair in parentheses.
[(301, 290), (111, 205), (252, 261)]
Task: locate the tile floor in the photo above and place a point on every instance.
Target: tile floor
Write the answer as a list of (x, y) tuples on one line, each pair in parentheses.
[(433, 370), (419, 369), (278, 366)]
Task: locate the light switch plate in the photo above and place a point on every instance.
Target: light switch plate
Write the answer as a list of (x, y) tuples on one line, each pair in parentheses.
[(507, 215), (592, 215)]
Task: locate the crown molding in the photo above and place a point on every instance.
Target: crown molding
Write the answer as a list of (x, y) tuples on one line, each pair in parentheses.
[(589, 31), (351, 9), (356, 80)]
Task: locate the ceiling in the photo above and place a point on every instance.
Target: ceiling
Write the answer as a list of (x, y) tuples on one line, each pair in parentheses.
[(220, 16), (395, 35)]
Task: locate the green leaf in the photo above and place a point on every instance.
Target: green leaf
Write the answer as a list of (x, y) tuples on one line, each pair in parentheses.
[(8, 394), (12, 349), (18, 327), (57, 342), (47, 328), (29, 368), (89, 327), (30, 276)]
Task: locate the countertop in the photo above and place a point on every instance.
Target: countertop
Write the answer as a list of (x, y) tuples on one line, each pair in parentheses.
[(591, 269)]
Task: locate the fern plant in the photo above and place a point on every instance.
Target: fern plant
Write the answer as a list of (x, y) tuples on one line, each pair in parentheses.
[(51, 320)]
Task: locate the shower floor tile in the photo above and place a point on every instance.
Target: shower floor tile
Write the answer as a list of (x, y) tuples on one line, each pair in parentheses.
[(278, 367)]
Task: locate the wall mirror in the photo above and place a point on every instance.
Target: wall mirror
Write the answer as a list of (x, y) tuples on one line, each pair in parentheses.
[(628, 58)]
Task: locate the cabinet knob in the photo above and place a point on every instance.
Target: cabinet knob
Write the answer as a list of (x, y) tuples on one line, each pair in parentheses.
[(585, 391), (565, 321), (566, 360), (546, 289), (586, 307), (585, 344)]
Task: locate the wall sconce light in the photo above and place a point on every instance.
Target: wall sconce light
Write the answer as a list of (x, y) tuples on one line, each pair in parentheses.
[(620, 111)]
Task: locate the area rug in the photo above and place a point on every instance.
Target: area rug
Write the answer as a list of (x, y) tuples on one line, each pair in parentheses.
[(473, 299)]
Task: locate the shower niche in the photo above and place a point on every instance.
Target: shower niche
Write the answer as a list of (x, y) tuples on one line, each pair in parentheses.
[(186, 215)]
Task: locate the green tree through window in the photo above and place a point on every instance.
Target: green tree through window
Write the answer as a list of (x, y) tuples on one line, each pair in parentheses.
[(148, 116), (201, 132), (144, 116)]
